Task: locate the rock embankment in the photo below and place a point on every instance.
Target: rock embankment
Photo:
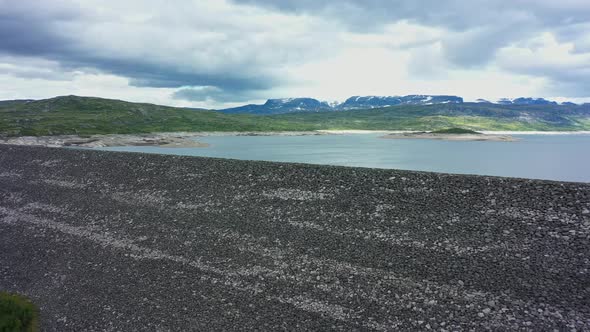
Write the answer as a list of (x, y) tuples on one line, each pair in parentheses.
[(166, 140), (171, 140), (106, 241)]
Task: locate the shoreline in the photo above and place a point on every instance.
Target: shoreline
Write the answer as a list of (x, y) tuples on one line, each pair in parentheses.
[(485, 132), (188, 139), (453, 137), (499, 132)]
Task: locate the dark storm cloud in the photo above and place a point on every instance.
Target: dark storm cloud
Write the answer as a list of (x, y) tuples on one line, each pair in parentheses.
[(21, 37), (48, 30), (145, 73), (29, 29)]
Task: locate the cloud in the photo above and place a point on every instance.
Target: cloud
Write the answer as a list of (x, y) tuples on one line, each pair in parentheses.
[(219, 52), (453, 14), (545, 56), (579, 33), (84, 84), (474, 30), (478, 46), (208, 44), (32, 28), (213, 94), (34, 68)]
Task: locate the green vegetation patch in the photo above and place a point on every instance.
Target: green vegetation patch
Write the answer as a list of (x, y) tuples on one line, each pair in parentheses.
[(456, 131), (17, 314), (89, 116)]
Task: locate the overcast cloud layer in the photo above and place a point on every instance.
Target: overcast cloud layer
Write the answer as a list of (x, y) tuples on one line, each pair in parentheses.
[(222, 53)]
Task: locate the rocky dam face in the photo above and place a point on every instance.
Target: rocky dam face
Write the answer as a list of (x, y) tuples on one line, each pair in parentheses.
[(108, 241)]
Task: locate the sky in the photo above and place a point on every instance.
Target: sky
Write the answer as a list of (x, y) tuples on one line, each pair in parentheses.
[(223, 53)]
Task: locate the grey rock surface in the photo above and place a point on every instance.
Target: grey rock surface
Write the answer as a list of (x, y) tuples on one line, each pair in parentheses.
[(108, 241)]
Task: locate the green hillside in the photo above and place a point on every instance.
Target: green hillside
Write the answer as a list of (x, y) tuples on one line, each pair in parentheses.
[(87, 115), (468, 115)]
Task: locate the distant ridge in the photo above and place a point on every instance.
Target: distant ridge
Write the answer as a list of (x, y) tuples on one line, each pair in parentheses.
[(296, 105), (358, 102), (526, 101), (15, 102), (279, 106)]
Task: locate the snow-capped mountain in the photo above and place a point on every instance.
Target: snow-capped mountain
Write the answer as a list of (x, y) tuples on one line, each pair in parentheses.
[(358, 102), (292, 105), (283, 105), (526, 101)]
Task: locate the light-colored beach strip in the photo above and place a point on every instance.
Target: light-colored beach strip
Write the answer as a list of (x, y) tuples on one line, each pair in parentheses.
[(189, 139)]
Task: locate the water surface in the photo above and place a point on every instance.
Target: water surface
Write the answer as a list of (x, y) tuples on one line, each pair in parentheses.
[(552, 157)]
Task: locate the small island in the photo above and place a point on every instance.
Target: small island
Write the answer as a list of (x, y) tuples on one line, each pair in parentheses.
[(456, 131), (451, 134)]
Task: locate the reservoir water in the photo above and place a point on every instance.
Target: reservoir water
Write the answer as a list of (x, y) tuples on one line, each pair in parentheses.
[(551, 157)]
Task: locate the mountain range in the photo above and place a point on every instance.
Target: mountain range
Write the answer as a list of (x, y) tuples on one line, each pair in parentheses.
[(295, 105), (90, 115)]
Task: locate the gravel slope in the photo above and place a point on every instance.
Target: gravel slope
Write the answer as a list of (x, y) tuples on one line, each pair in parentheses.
[(107, 241)]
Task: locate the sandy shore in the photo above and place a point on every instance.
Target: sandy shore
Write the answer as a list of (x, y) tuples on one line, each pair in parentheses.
[(452, 137)]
